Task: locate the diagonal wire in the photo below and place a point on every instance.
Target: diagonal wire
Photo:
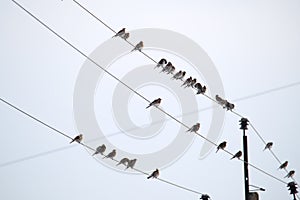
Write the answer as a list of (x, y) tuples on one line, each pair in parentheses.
[(122, 81), (86, 146)]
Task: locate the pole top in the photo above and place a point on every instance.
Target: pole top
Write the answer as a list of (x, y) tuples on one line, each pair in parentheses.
[(244, 122)]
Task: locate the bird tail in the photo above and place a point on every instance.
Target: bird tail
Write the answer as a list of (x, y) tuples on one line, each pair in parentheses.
[(72, 141), (94, 154), (148, 106), (149, 177), (217, 150), (232, 158)]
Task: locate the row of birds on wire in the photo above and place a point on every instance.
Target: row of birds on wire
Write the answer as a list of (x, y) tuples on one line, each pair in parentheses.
[(168, 68)]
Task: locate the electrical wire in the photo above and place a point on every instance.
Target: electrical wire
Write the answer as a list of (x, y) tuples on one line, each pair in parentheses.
[(88, 147), (168, 113)]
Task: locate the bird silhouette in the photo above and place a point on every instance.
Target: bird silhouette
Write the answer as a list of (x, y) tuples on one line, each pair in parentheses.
[(111, 155), (154, 174), (222, 146), (125, 36), (204, 197), (187, 81), (177, 75), (156, 102), (120, 33), (268, 145), (182, 75), (194, 128), (100, 149), (283, 165), (161, 63), (123, 161), (238, 155), (131, 163), (290, 174), (78, 138), (139, 46)]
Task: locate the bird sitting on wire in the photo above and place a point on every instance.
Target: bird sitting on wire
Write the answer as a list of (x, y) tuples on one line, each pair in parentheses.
[(222, 146), (194, 128), (139, 46), (283, 165), (204, 197), (161, 63), (177, 75), (125, 36), (100, 150), (156, 102), (154, 174), (290, 174), (78, 138), (238, 155), (268, 145), (200, 89), (187, 81), (131, 163), (123, 161), (111, 155), (120, 33)]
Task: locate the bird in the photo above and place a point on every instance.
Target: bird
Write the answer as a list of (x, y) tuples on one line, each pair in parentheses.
[(268, 145), (222, 146), (229, 106), (161, 63), (139, 46), (290, 174), (78, 138), (154, 174), (199, 88), (171, 70), (120, 33), (100, 149), (182, 75), (156, 102), (221, 101), (167, 67), (125, 36), (283, 165), (111, 155), (205, 197), (191, 83), (131, 163), (237, 155), (187, 81), (177, 75), (123, 161), (194, 128)]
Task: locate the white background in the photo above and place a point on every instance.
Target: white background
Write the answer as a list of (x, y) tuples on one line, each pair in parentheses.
[(254, 45)]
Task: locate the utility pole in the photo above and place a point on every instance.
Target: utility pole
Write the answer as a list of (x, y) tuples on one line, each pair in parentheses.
[(244, 124)]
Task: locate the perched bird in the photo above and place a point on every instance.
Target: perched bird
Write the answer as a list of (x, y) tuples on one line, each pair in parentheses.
[(120, 33), (229, 106), (100, 149), (187, 81), (204, 197), (171, 70), (268, 145), (194, 128), (167, 67), (177, 75), (182, 75), (199, 88), (221, 101), (125, 36), (161, 63), (111, 155), (283, 165), (139, 46), (237, 155), (124, 161), (154, 174), (290, 174), (222, 146), (192, 83), (131, 163), (78, 138), (156, 102)]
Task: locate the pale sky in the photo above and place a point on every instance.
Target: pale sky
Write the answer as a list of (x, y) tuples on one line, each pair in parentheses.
[(254, 46)]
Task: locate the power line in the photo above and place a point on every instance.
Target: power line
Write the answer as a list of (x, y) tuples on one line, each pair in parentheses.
[(86, 146), (168, 113)]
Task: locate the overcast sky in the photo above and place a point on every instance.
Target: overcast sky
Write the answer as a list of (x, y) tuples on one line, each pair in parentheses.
[(254, 46)]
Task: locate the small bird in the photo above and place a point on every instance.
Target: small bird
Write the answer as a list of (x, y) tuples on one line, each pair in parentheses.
[(100, 149), (229, 106), (221, 101), (125, 36), (237, 155), (194, 128), (199, 88), (120, 33), (182, 75), (192, 83), (167, 67), (204, 197), (290, 174), (177, 75), (268, 145), (139, 46), (131, 163), (154, 174), (156, 102), (78, 138), (283, 165), (187, 81), (161, 63), (171, 70), (124, 161), (222, 146), (111, 155)]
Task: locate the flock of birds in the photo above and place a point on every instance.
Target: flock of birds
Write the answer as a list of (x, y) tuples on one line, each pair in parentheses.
[(168, 68)]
